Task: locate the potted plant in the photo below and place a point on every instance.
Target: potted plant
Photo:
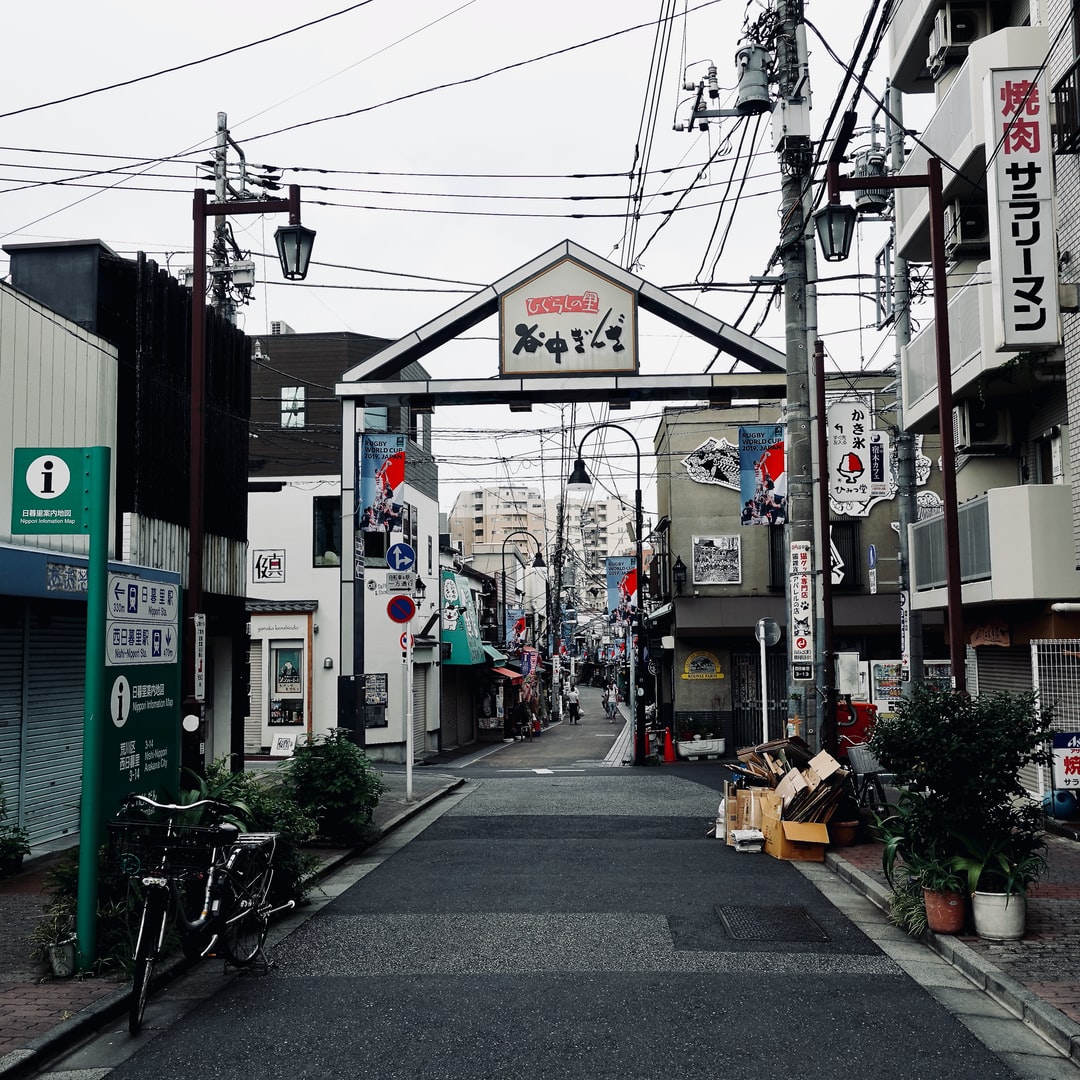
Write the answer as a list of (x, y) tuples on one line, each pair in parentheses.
[(13, 842), (931, 880), (999, 871), (963, 807), (53, 939)]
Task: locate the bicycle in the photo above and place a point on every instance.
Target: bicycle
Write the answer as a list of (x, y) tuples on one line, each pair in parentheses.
[(214, 878)]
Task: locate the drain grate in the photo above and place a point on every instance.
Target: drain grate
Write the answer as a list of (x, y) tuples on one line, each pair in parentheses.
[(769, 922)]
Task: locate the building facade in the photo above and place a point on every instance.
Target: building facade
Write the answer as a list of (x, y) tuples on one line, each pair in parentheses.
[(993, 72)]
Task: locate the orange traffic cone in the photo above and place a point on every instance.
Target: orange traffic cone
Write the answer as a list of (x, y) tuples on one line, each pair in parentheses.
[(669, 747)]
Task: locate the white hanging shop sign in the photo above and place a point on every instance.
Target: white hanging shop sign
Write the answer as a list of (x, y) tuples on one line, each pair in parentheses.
[(1023, 229)]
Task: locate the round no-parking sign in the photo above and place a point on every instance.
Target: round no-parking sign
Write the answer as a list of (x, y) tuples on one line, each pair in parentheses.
[(401, 608)]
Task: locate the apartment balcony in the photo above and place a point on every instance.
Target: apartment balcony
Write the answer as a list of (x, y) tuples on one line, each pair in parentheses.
[(971, 350), (957, 131), (1016, 543)]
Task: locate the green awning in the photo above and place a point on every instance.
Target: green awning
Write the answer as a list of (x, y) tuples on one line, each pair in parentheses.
[(494, 654)]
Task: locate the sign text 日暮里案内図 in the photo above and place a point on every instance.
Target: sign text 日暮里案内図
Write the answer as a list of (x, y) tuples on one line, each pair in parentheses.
[(1020, 185), (568, 319)]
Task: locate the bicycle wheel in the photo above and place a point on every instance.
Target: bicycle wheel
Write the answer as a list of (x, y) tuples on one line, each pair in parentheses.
[(244, 908), (151, 932)]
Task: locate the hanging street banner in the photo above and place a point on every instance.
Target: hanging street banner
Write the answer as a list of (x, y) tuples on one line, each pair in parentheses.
[(620, 573), (1020, 190), (860, 456), (801, 626), (516, 629), (568, 319), (762, 474), (381, 482)]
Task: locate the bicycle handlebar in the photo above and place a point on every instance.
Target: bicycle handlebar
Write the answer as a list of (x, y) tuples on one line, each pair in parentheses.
[(175, 807)]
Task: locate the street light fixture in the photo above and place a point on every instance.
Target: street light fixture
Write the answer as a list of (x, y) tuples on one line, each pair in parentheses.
[(835, 224), (294, 244), (538, 563), (580, 482)]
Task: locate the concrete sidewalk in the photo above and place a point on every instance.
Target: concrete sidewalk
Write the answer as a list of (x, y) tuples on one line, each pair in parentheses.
[(1038, 978), (41, 1015)]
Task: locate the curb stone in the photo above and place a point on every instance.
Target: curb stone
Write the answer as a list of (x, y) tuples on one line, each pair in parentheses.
[(1054, 1026)]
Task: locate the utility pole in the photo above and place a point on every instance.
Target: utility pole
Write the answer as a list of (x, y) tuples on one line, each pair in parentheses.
[(911, 628), (791, 136)]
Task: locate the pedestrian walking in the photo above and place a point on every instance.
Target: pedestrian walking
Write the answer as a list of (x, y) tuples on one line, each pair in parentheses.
[(573, 701), (611, 701)]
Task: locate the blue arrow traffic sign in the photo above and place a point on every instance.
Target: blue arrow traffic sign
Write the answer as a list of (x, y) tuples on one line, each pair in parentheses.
[(400, 557)]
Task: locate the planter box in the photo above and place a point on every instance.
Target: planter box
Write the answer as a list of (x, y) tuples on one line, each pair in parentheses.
[(695, 748)]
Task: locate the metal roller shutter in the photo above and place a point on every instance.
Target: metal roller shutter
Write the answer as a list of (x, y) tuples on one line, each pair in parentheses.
[(419, 714), (253, 722), (11, 708), (52, 777)]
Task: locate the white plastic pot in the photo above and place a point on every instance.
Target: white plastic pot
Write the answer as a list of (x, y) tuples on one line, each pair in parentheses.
[(999, 916)]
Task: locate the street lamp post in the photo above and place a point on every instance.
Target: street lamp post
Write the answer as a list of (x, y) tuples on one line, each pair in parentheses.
[(538, 563), (294, 243), (835, 226), (580, 481)]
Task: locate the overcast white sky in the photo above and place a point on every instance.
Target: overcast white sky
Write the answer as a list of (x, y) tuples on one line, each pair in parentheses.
[(440, 144)]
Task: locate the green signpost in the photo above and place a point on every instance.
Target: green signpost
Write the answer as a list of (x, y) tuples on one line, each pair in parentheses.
[(131, 711)]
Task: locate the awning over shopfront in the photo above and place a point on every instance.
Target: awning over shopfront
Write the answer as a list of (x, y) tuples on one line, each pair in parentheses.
[(494, 654), (513, 676)]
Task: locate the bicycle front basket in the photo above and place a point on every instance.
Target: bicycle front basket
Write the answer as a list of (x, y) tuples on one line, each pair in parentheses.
[(136, 846)]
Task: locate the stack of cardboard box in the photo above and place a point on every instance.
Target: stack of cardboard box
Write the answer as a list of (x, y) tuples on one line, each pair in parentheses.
[(790, 794)]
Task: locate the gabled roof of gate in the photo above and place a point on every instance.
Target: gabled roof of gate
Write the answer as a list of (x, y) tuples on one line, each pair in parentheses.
[(482, 305)]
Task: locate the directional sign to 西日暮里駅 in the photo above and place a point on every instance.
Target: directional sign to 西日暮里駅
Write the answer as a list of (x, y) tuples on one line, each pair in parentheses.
[(49, 490)]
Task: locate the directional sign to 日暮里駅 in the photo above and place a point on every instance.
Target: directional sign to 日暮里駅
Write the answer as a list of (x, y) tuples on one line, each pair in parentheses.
[(146, 601)]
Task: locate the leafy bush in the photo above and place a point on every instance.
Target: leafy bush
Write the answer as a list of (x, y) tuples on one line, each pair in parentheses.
[(58, 920), (262, 802), (964, 811), (333, 780)]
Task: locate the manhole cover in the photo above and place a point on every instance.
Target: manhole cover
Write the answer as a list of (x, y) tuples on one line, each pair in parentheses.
[(769, 922)]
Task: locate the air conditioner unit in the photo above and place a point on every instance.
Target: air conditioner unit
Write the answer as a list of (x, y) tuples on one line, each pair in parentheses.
[(956, 26), (981, 428), (967, 229)]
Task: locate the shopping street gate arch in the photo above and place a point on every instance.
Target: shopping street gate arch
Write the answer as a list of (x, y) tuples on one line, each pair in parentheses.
[(567, 334)]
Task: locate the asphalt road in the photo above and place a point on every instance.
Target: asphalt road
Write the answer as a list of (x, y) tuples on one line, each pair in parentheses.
[(556, 919)]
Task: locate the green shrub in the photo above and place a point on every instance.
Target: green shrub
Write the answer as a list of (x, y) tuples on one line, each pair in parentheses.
[(262, 802), (964, 811), (334, 781)]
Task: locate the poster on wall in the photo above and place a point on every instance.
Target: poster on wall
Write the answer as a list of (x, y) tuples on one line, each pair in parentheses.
[(620, 575), (381, 482), (717, 560), (287, 671), (762, 474)]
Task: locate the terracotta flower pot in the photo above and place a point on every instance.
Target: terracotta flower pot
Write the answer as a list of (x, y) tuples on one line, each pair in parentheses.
[(843, 833), (945, 911)]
